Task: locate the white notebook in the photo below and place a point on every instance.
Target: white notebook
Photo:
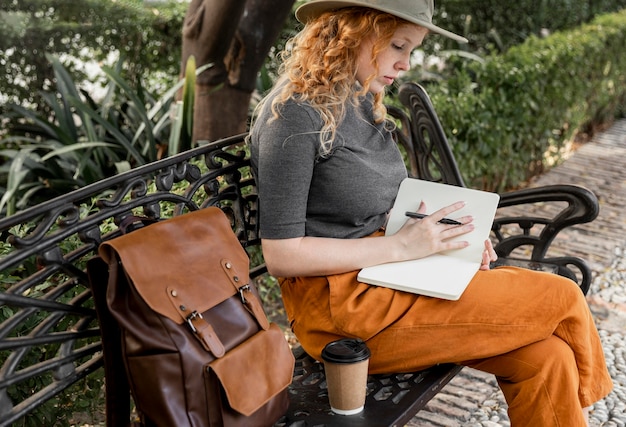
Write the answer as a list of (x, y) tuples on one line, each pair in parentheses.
[(446, 274)]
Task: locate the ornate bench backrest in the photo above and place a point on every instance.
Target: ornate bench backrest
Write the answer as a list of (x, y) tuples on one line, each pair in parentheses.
[(429, 155)]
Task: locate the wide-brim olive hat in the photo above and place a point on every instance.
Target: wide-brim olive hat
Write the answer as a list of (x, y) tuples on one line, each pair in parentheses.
[(419, 12)]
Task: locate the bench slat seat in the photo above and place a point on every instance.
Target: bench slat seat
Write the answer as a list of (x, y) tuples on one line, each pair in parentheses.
[(392, 400), (53, 332)]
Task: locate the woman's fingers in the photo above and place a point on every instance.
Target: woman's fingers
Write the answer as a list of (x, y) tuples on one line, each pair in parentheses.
[(447, 210), (489, 255), (493, 256)]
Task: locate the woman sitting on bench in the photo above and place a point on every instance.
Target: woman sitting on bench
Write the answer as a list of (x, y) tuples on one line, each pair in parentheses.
[(328, 171)]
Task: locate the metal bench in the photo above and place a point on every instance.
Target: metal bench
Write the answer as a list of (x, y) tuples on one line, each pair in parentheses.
[(51, 335)]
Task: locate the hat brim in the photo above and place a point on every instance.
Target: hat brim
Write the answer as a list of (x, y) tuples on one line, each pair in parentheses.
[(313, 9)]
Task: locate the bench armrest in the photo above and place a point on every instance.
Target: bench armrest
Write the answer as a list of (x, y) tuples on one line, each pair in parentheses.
[(554, 207)]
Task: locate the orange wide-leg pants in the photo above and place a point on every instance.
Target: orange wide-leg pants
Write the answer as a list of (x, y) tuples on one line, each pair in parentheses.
[(532, 330)]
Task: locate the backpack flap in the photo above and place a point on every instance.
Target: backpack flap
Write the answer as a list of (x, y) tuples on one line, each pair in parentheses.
[(255, 371), (184, 266)]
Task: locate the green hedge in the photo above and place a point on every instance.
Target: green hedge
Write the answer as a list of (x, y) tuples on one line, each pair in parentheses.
[(511, 117), (499, 25), (148, 34)]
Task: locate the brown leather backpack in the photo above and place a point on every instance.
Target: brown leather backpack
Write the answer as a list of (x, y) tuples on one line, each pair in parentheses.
[(197, 346)]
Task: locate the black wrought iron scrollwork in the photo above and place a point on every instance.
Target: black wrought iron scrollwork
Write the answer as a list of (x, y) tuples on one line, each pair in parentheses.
[(433, 156), (177, 173)]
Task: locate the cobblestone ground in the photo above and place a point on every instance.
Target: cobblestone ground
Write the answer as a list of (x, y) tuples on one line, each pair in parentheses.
[(473, 399)]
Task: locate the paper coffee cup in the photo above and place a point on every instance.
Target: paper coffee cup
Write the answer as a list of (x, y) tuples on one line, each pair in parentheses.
[(345, 364)]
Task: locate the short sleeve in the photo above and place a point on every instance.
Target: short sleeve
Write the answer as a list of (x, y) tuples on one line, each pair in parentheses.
[(283, 154)]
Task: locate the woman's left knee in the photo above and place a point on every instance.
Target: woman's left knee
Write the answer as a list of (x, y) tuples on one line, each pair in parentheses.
[(551, 357)]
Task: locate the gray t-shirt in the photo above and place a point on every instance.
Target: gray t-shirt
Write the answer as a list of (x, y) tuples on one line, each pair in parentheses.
[(344, 195)]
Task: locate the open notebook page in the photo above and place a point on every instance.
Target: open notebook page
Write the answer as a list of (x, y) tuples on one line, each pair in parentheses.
[(443, 275)]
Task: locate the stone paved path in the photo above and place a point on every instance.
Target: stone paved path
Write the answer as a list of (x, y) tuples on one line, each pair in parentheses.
[(599, 165)]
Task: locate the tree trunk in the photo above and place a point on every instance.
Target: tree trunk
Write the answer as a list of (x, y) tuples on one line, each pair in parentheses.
[(235, 36), (219, 113)]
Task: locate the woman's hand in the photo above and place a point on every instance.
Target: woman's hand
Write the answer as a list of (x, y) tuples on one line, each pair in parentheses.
[(419, 238), (489, 255)]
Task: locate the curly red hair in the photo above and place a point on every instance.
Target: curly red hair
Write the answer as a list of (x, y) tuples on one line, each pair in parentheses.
[(319, 64)]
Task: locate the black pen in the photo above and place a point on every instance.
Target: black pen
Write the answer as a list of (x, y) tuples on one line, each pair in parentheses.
[(442, 220)]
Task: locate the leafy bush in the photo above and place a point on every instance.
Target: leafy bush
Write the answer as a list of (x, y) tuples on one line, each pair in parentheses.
[(495, 25), (511, 116), (86, 31)]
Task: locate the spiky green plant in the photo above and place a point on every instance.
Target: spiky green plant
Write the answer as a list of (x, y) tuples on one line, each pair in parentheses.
[(86, 140)]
